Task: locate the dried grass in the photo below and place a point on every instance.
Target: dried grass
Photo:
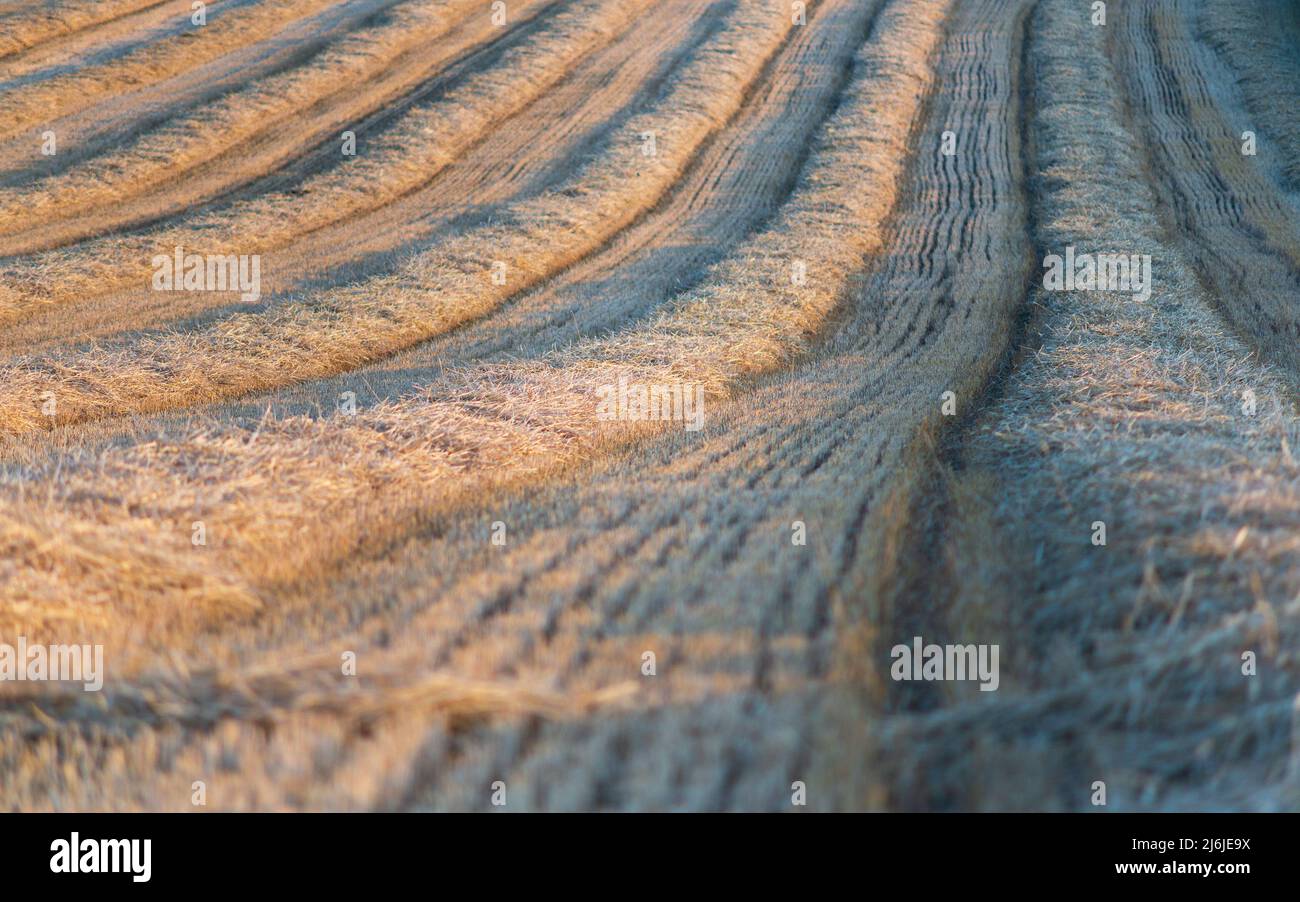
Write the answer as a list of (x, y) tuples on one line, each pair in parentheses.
[(30, 104), (438, 289), (194, 139), (283, 500), (24, 30), (426, 139), (1258, 38), (1121, 662)]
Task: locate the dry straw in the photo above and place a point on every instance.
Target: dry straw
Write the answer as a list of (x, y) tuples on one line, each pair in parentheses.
[(439, 289), (199, 137), (426, 139), (295, 493), (23, 30), (31, 104)]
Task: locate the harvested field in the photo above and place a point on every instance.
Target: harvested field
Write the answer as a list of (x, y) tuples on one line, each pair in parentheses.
[(595, 395)]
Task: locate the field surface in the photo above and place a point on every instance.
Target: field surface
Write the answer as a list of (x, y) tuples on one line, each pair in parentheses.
[(387, 532)]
